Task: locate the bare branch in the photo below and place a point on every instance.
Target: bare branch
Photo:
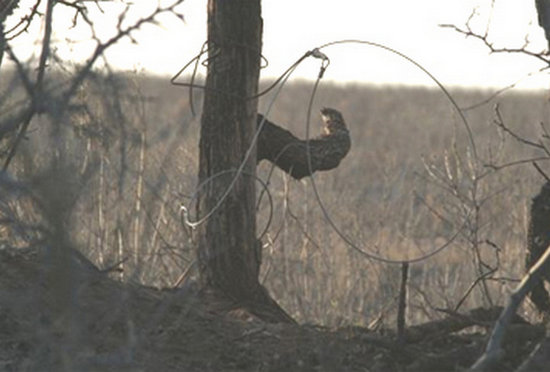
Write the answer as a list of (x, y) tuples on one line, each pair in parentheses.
[(101, 47), (494, 351), (502, 90), (468, 32), (38, 102), (499, 122), (25, 22), (542, 173)]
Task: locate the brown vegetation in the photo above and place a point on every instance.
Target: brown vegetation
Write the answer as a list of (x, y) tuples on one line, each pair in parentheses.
[(109, 179)]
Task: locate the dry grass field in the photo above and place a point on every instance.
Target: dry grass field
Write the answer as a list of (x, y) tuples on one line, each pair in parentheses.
[(109, 178), (387, 202)]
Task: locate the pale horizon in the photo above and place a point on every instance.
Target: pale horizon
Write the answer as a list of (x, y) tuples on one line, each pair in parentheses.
[(292, 28)]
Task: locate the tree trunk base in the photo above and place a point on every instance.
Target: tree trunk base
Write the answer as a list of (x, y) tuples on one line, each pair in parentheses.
[(262, 307)]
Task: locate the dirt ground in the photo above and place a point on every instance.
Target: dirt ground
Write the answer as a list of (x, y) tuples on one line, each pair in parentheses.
[(74, 318)]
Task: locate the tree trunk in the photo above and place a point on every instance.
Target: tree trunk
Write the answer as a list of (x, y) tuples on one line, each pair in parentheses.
[(228, 252), (538, 240), (229, 255)]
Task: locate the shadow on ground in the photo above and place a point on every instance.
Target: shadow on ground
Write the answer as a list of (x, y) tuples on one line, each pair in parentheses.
[(75, 318)]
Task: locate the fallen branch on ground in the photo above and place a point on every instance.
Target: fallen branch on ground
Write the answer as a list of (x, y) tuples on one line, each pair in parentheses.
[(494, 351)]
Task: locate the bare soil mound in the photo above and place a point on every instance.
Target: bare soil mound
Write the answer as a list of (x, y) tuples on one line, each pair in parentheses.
[(74, 318)]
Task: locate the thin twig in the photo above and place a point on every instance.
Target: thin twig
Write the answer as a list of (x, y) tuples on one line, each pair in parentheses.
[(468, 32), (542, 173)]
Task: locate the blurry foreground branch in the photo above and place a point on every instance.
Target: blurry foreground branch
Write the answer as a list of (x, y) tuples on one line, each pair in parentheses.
[(42, 98)]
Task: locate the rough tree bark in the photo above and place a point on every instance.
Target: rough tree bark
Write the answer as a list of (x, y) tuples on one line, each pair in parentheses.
[(229, 255), (538, 240), (227, 246), (227, 239)]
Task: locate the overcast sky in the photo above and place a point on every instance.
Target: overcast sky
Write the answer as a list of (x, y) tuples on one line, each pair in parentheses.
[(291, 27)]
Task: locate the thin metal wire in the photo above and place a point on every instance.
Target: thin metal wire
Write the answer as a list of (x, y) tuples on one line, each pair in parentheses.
[(185, 211), (312, 178), (195, 224), (195, 62), (424, 70), (280, 82)]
